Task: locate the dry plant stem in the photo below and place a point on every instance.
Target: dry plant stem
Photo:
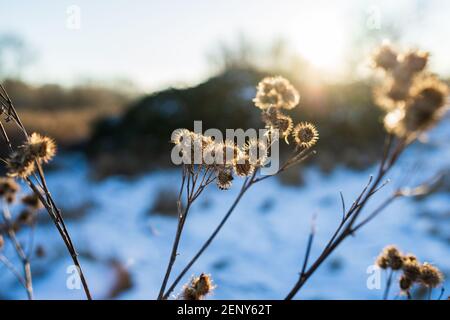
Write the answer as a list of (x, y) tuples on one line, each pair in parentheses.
[(347, 226), (249, 181), (190, 178), (13, 270), (64, 235), (28, 283), (246, 185), (47, 201)]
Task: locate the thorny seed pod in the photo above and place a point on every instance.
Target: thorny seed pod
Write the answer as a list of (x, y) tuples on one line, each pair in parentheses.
[(394, 256), (305, 135), (8, 189), (430, 276), (37, 148), (198, 288), (411, 267), (270, 116), (25, 217), (284, 124), (20, 164), (385, 57), (41, 147), (405, 283), (32, 201), (276, 92), (228, 152), (257, 151), (382, 261), (243, 167), (415, 61), (224, 178), (181, 136)]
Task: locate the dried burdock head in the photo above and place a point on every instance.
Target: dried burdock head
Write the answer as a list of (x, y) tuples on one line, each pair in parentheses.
[(222, 154), (182, 136), (394, 256), (40, 252), (41, 147), (405, 283), (32, 201), (414, 99), (230, 152), (430, 276), (191, 145), (276, 92), (284, 125), (390, 257), (426, 106), (224, 178), (382, 261), (206, 142), (411, 267), (198, 288), (257, 150), (270, 116), (20, 164), (8, 189), (385, 57), (243, 167), (25, 217), (415, 60), (305, 135), (38, 148)]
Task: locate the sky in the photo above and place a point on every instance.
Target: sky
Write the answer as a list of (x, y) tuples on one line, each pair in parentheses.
[(155, 44)]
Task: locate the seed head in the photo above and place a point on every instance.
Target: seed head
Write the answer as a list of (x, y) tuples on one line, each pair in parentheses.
[(38, 148), (41, 147), (411, 267), (394, 256), (32, 201), (284, 124), (390, 257), (25, 217), (405, 283), (430, 276), (198, 288), (305, 135), (8, 189), (270, 116), (224, 178), (20, 163), (385, 58), (382, 261), (243, 167), (415, 61), (181, 136), (257, 151), (276, 92)]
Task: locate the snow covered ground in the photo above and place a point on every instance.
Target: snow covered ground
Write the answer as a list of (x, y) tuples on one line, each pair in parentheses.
[(259, 252)]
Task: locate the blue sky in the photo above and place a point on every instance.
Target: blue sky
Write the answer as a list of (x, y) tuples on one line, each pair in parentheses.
[(160, 43)]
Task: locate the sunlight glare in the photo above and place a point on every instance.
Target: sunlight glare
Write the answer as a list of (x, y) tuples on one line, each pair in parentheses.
[(322, 42)]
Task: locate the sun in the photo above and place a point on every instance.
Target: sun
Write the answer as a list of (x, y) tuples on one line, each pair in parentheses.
[(321, 42)]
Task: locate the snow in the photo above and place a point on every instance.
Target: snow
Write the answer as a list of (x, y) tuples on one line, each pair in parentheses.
[(259, 252)]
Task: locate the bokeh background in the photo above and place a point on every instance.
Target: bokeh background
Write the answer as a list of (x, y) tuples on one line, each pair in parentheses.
[(111, 80)]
